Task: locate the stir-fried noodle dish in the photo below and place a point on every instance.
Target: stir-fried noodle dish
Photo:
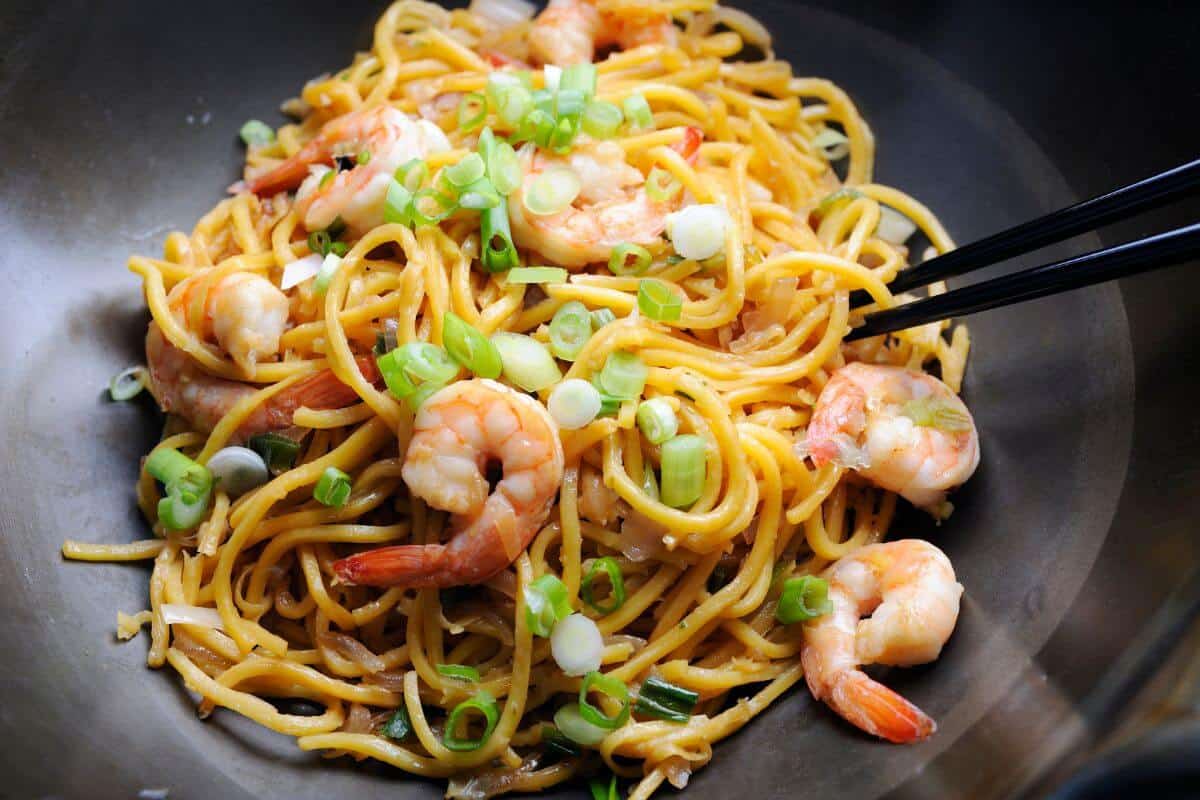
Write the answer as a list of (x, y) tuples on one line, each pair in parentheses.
[(511, 437)]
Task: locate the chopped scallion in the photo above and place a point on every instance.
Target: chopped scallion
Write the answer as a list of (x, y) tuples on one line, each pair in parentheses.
[(552, 191), (256, 133), (570, 329), (805, 597), (277, 450), (499, 251), (662, 186), (325, 274), (482, 703), (628, 259), (657, 421), (573, 403), (128, 383), (602, 120), (458, 672), (558, 743), (397, 205), (468, 170), (684, 466), (412, 174), (609, 566), (333, 488), (623, 375), (430, 206), (637, 112), (398, 725), (472, 111), (546, 602), (536, 275), (469, 347), (664, 700), (614, 689), (658, 301), (832, 144), (527, 362), (601, 317)]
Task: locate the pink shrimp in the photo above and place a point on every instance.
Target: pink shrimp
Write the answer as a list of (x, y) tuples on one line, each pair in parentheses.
[(244, 312), (181, 387), (569, 31), (458, 432), (910, 593), (612, 206), (905, 431), (387, 137)]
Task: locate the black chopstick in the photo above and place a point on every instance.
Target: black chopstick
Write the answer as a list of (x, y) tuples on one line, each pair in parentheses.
[(1160, 250), (1144, 195)]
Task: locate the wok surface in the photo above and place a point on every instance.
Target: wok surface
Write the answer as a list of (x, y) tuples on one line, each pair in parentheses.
[(120, 125)]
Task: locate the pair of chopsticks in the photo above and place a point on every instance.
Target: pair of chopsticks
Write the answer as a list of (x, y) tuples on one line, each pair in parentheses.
[(1152, 252)]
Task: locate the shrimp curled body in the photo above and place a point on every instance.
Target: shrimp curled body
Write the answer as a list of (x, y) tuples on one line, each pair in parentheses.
[(909, 590), (379, 139), (905, 431), (459, 431)]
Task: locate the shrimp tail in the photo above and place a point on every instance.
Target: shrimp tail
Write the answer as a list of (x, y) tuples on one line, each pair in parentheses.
[(292, 172), (876, 709), (413, 566)]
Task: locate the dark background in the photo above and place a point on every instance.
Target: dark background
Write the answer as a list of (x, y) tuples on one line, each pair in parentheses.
[(118, 122)]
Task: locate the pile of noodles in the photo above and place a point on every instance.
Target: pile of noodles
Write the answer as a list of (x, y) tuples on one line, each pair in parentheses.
[(246, 607)]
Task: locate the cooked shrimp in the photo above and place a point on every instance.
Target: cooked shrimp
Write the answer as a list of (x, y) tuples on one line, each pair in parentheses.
[(569, 31), (457, 434), (244, 312), (905, 431), (909, 591), (612, 206), (388, 137), (181, 387)]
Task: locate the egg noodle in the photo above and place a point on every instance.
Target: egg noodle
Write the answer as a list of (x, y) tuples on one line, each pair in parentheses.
[(761, 329)]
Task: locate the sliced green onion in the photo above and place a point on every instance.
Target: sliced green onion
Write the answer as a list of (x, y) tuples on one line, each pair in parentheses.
[(930, 412), (657, 421), (398, 725), (426, 363), (628, 258), (637, 111), (537, 126), (319, 242), (805, 597), (364, 157), (658, 698), (572, 725), (472, 111), (609, 566), (563, 135), (412, 174), (832, 144), (277, 450), (181, 510), (602, 120), (527, 362), (497, 83), (570, 329), (609, 405), (459, 672), (601, 317), (546, 602), (557, 743), (893, 226), (171, 466), (684, 465), (325, 274), (339, 249), (326, 178), (658, 301), (573, 403), (569, 104), (513, 104), (610, 686), (650, 483), (536, 275), (499, 252), (482, 703), (398, 204), (423, 393), (479, 196), (430, 206), (580, 78), (469, 347), (333, 488), (662, 186), (468, 170), (835, 199), (577, 645), (552, 191), (256, 133), (602, 792), (551, 77), (623, 375), (128, 383), (698, 231), (504, 168)]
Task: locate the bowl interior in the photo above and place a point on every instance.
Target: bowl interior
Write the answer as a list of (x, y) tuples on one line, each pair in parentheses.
[(130, 121)]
